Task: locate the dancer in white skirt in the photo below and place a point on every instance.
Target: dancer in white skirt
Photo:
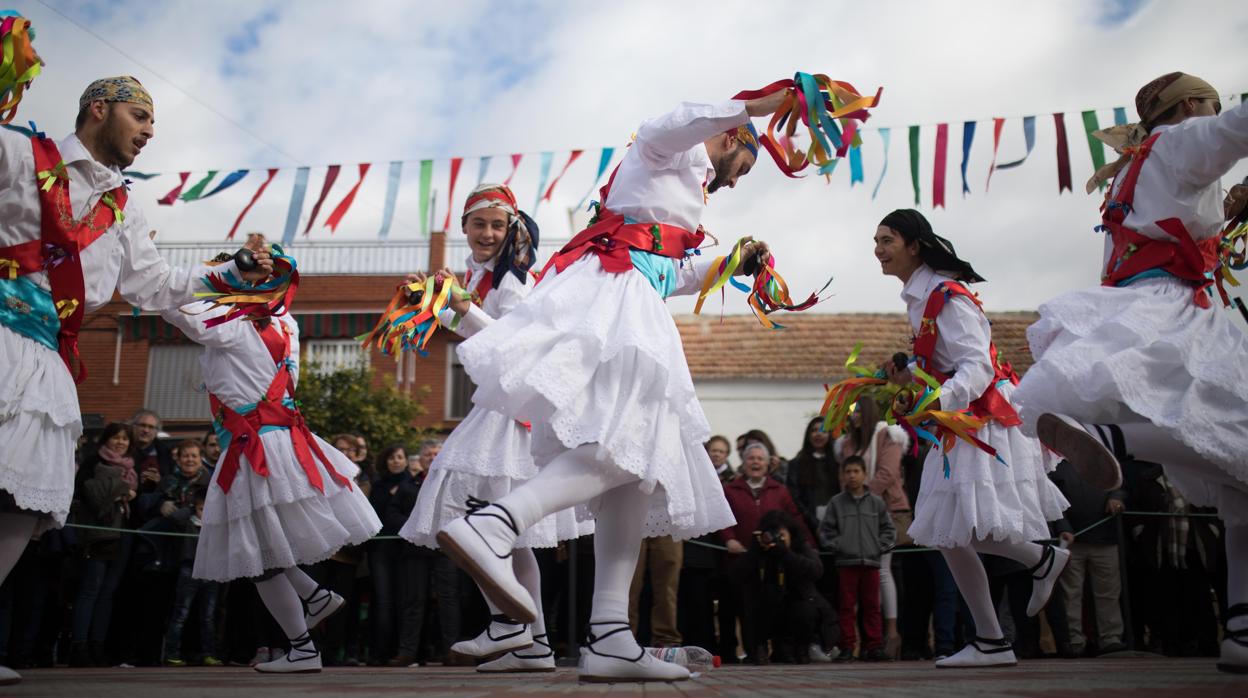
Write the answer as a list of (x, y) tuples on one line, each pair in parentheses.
[(1146, 364), (593, 359), (981, 505), (280, 495), (71, 235), (487, 455)]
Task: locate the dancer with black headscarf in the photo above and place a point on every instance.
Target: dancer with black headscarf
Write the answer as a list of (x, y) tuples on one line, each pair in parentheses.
[(969, 501)]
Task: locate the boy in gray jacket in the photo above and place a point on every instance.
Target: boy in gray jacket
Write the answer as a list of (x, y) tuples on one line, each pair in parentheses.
[(856, 527)]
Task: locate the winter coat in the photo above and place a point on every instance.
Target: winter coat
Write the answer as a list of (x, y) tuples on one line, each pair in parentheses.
[(857, 529), (749, 510)]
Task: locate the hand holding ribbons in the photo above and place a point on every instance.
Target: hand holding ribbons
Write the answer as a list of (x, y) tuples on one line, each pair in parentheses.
[(769, 291), (414, 312)]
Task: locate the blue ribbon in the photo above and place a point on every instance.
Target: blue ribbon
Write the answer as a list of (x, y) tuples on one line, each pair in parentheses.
[(1120, 116), (392, 195), (230, 180), (1029, 134), (296, 205), (884, 135), (483, 168), (603, 161), (541, 182), (968, 137), (855, 165)]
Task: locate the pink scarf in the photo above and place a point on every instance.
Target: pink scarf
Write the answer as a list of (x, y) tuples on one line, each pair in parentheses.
[(126, 463)]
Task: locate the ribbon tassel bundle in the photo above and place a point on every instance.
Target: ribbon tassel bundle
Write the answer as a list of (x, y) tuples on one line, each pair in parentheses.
[(271, 297), (766, 295), (20, 64), (817, 102), (412, 317)]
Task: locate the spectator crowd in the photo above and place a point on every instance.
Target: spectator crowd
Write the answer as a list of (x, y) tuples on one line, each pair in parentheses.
[(818, 568)]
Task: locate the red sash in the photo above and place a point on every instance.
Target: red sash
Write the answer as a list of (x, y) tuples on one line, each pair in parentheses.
[(60, 244), (992, 404), (244, 429), (611, 238), (483, 287), (1134, 254)]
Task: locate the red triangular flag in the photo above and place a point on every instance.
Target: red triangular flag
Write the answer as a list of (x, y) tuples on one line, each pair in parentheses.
[(254, 198), (571, 159), (168, 199), (450, 192), (330, 176), (341, 209), (515, 163)]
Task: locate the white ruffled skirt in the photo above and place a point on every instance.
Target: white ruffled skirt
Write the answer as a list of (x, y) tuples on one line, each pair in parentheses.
[(39, 427), (1146, 352), (486, 456), (280, 521), (983, 498), (592, 357)]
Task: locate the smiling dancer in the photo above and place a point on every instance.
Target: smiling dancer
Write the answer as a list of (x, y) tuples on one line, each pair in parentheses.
[(981, 505), (487, 455), (593, 359), (1145, 365), (71, 236)]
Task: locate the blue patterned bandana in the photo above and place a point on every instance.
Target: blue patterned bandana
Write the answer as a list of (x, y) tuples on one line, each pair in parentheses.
[(122, 88)]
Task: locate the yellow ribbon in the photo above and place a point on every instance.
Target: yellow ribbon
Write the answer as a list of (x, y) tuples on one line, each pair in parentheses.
[(12, 266), (66, 307), (48, 177), (110, 202)]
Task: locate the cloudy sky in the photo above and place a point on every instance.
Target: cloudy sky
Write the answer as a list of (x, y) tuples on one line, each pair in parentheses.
[(255, 84)]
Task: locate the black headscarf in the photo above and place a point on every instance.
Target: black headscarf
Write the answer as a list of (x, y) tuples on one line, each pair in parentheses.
[(935, 251)]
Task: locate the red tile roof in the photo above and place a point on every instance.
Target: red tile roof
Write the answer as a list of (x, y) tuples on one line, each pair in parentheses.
[(814, 346)]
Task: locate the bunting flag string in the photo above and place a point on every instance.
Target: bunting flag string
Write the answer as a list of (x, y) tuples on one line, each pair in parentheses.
[(884, 136), (1029, 137), (392, 196), (450, 192), (603, 161), (343, 206), (296, 205), (197, 190), (571, 159), (855, 165), (135, 174), (254, 198), (547, 157), (482, 168), (1063, 155), (230, 180), (331, 176), (939, 167), (515, 165), (968, 137), (914, 162), (426, 183), (168, 199), (1095, 146)]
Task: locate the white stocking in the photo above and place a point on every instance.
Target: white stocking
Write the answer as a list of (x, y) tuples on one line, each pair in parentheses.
[(530, 575), (304, 585), (617, 544), (573, 477), (283, 602), (888, 587), (968, 572), (1027, 554)]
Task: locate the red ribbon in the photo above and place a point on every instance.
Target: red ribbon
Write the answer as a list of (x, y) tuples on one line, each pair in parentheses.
[(341, 209), (172, 196), (330, 176), (938, 171), (1063, 155), (254, 198), (450, 192)]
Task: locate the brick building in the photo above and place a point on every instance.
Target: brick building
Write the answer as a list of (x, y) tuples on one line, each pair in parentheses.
[(746, 377)]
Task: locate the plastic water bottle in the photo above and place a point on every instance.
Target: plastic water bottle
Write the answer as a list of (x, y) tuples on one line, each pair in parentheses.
[(695, 659)]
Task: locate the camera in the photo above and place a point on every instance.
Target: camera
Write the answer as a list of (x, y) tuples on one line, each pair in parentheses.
[(769, 538)]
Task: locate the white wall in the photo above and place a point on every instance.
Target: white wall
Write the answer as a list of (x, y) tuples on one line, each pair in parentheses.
[(779, 407)]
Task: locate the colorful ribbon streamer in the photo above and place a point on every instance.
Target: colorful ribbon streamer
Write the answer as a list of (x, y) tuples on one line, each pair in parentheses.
[(768, 294), (20, 65), (331, 175), (450, 192), (555, 182), (1063, 155), (914, 162), (296, 205), (818, 102), (1029, 136), (392, 197), (1095, 147), (426, 184), (603, 161), (940, 165), (230, 180), (197, 191), (412, 317), (968, 137), (254, 198), (172, 196), (265, 299), (343, 206), (542, 176), (885, 134), (855, 165), (515, 165)]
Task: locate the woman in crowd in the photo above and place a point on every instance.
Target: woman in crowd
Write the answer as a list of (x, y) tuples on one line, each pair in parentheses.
[(383, 555)]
